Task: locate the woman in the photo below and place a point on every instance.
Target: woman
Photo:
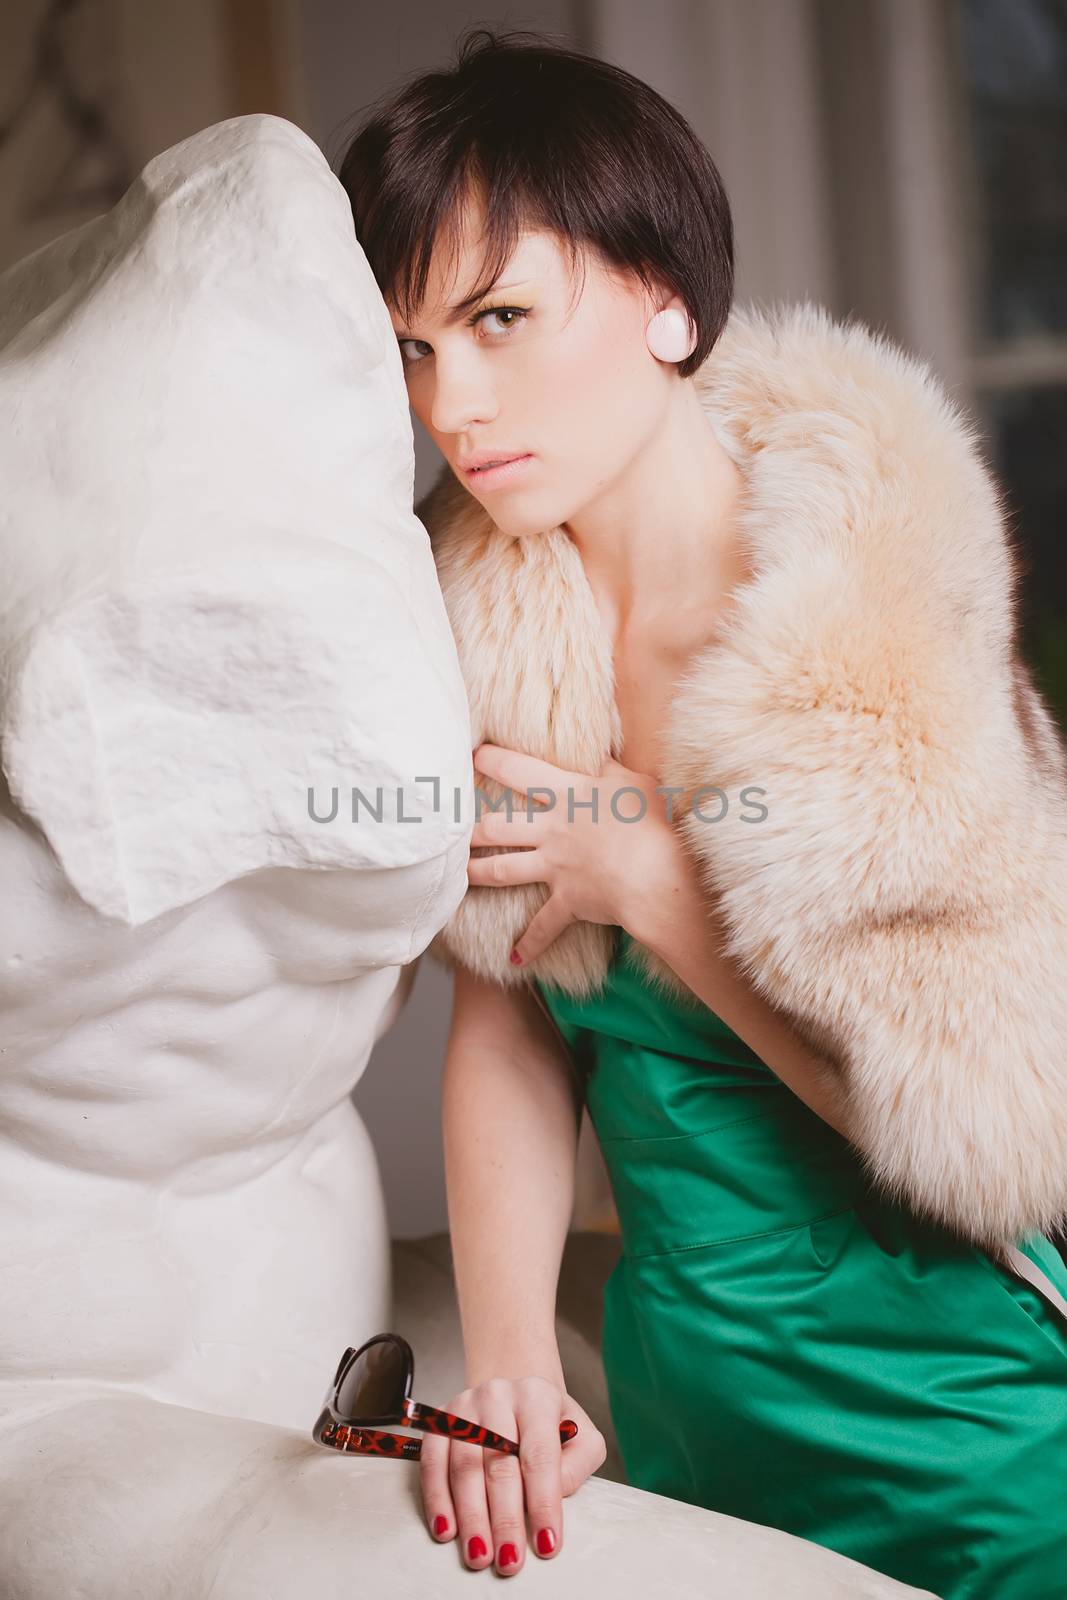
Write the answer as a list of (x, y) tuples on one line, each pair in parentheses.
[(816, 1016)]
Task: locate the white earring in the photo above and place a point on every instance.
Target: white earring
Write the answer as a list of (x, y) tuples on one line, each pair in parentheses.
[(670, 335)]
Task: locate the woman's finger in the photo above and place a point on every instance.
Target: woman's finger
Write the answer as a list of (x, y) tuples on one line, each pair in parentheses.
[(518, 770), (520, 829), (508, 866), (546, 926), (583, 1455), (503, 1479), (466, 1476), (434, 1486), (540, 1457)]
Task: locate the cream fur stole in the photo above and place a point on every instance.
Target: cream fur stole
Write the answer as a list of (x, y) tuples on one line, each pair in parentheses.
[(904, 901)]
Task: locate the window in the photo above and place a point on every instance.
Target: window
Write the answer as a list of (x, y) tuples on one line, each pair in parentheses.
[(1013, 57)]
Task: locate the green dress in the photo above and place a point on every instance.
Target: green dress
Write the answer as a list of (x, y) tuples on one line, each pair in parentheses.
[(784, 1346)]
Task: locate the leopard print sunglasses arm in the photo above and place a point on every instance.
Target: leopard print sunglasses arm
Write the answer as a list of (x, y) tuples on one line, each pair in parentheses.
[(402, 1447)]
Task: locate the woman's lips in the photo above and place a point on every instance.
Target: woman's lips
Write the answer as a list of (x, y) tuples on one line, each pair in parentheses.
[(490, 477)]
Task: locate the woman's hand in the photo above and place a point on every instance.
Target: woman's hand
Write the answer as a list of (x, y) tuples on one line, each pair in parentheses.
[(598, 863), (480, 1493)]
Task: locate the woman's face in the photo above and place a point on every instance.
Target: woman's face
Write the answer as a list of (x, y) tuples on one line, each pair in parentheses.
[(543, 366)]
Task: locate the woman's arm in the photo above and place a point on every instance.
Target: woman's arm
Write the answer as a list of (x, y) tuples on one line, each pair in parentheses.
[(672, 919), (511, 1116)]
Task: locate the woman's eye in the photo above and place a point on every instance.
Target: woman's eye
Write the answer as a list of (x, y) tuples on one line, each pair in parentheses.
[(499, 311), (410, 362), (518, 312)]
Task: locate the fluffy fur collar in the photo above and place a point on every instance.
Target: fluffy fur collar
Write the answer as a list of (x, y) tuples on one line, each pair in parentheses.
[(904, 901)]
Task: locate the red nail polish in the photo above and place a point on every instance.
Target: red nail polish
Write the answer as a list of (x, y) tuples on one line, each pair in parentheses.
[(509, 1555), (546, 1541), (440, 1524), (516, 959), (476, 1547)]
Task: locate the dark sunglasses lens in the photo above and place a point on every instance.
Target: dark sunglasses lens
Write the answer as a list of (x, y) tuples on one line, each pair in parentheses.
[(373, 1386)]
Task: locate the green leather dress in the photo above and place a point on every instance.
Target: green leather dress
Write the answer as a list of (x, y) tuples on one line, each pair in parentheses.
[(781, 1345)]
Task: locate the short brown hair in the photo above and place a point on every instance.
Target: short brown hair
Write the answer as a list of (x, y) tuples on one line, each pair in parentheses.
[(554, 139)]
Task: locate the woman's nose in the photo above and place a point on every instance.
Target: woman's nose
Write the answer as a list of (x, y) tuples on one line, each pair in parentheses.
[(462, 396)]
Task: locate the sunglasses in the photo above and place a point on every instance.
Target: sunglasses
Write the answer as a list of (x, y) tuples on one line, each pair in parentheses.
[(372, 1388)]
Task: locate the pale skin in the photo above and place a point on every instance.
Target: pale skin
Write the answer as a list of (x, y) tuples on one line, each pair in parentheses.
[(627, 464)]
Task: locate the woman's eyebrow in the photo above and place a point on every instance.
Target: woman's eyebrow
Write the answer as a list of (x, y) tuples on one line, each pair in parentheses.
[(457, 311)]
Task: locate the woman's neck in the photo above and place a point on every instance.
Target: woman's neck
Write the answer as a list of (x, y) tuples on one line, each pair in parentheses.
[(660, 545)]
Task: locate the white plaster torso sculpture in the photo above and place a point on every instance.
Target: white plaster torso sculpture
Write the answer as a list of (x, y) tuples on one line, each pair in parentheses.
[(215, 596)]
